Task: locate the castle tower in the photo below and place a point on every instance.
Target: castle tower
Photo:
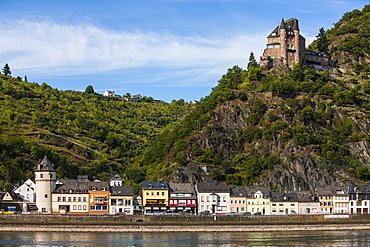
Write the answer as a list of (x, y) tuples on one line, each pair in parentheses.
[(45, 179), (283, 44)]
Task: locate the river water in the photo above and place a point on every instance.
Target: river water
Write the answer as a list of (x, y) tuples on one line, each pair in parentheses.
[(307, 238)]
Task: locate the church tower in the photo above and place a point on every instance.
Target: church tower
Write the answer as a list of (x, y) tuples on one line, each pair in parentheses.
[(45, 178)]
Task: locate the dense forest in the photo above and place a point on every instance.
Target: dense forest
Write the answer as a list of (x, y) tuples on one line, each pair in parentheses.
[(254, 125)]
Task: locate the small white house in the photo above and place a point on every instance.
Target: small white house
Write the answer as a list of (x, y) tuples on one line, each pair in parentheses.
[(26, 191), (213, 197)]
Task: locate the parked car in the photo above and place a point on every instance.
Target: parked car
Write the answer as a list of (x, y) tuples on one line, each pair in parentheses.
[(120, 213), (293, 213), (258, 213), (247, 213), (205, 213), (231, 213)]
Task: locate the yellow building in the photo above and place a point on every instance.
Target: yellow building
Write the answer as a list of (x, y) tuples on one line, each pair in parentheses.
[(258, 200), (155, 197), (284, 203), (326, 199)]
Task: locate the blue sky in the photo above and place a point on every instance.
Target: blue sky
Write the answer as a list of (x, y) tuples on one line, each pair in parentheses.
[(166, 49)]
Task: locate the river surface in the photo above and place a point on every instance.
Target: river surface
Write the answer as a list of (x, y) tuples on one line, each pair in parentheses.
[(307, 238)]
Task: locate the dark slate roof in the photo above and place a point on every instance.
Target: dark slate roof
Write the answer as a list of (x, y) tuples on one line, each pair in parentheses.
[(252, 190), (306, 196), (71, 184), (238, 192), (181, 187), (98, 185), (357, 189), (325, 191), (340, 191), (154, 185), (283, 197), (220, 187), (82, 178), (115, 177), (122, 191), (45, 165), (289, 26), (282, 23), (15, 197)]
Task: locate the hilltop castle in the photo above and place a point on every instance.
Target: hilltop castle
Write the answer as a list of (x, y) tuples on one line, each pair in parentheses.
[(285, 46)]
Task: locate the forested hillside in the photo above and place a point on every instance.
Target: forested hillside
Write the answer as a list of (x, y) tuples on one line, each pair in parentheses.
[(81, 133), (284, 128), (348, 42)]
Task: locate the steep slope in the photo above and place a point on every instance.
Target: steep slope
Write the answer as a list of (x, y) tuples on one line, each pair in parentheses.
[(81, 133), (298, 130), (348, 42)]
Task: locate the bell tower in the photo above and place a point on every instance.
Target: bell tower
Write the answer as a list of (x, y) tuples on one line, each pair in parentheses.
[(45, 179)]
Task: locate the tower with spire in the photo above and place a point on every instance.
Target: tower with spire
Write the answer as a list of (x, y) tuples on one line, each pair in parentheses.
[(45, 179)]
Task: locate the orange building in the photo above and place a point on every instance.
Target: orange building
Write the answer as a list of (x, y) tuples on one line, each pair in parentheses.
[(99, 197)]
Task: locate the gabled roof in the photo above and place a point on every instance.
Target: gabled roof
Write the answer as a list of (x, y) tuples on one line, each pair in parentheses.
[(238, 192), (154, 185), (283, 197), (306, 196), (45, 165), (71, 184), (9, 197), (253, 190), (98, 185), (181, 187), (215, 187), (122, 191), (325, 191)]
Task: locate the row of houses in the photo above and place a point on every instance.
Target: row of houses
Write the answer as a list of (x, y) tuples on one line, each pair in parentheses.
[(49, 195)]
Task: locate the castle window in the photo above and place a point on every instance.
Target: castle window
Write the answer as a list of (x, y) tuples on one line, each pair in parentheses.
[(46, 195)]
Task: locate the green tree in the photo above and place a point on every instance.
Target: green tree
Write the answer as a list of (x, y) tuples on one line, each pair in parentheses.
[(6, 70), (322, 41), (252, 61), (89, 90)]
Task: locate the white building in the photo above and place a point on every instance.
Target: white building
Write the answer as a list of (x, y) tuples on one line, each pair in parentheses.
[(26, 191), (213, 197), (340, 200)]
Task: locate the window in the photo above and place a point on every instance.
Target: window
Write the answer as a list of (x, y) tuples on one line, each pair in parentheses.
[(162, 193), (147, 193), (74, 199), (157, 193), (84, 199), (41, 175), (64, 198), (92, 208), (74, 207), (79, 198), (84, 207), (46, 195), (59, 199), (69, 199), (79, 207)]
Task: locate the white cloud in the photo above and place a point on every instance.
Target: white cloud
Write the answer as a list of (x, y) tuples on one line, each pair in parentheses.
[(50, 48)]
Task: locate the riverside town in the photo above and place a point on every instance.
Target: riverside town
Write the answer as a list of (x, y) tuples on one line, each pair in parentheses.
[(80, 196)]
